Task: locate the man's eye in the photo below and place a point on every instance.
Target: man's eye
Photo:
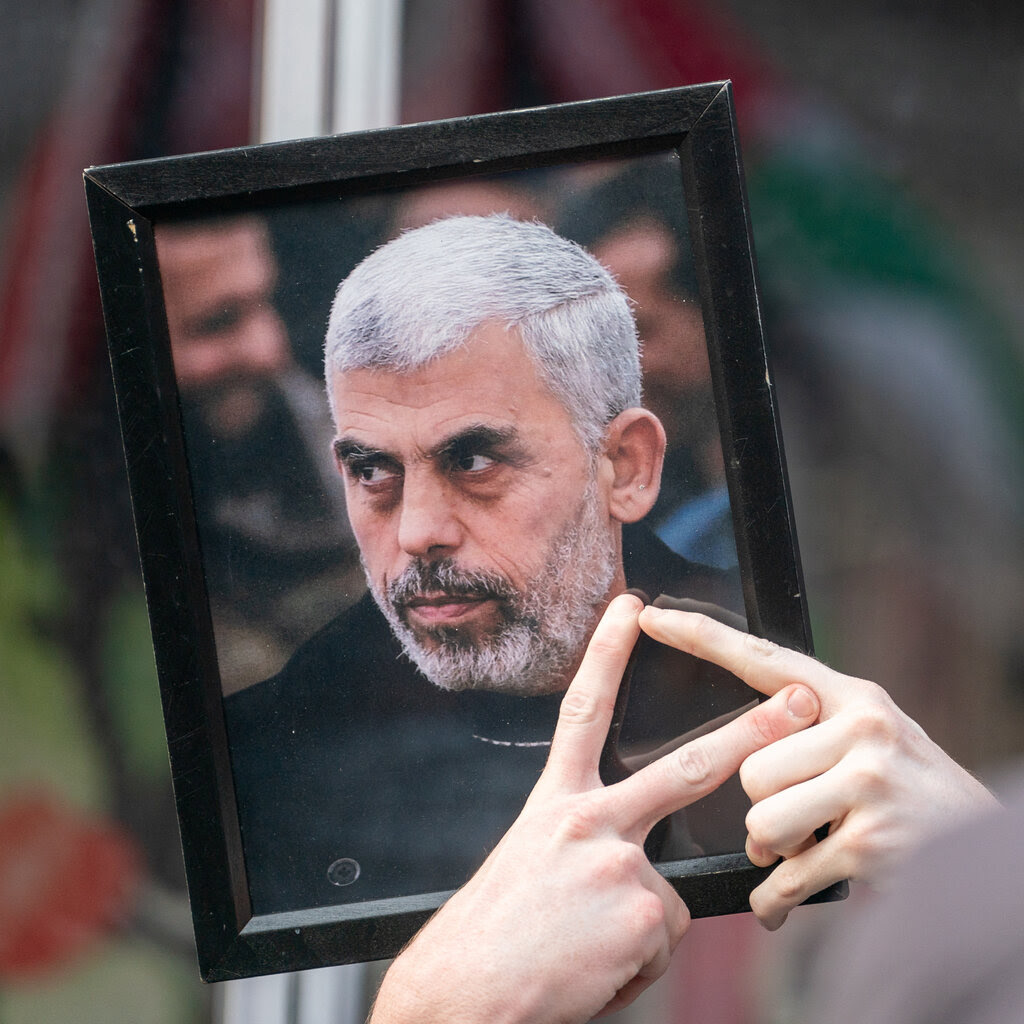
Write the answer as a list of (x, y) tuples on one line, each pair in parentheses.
[(369, 473), (474, 463)]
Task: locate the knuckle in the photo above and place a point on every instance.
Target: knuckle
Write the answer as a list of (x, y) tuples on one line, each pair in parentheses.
[(692, 764), (649, 913), (678, 922), (763, 726), (627, 859), (759, 651), (582, 820), (759, 655), (760, 901), (876, 722), (868, 779), (871, 691), (606, 643), (759, 647), (705, 628), (787, 884), (755, 825), (619, 866), (578, 708), (861, 845)]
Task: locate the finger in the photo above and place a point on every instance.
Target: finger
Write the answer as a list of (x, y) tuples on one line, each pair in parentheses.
[(633, 988), (588, 704), (787, 820), (699, 767), (763, 857), (765, 666), (796, 880), (795, 759)]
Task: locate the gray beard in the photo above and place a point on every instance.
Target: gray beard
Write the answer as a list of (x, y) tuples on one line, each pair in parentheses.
[(546, 624)]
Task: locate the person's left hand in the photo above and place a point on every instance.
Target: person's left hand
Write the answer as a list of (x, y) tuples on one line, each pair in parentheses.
[(567, 918), (866, 770)]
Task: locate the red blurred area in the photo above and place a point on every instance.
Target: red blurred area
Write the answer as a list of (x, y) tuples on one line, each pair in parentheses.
[(65, 880)]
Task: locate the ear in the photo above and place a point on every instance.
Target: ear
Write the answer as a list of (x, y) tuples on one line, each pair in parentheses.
[(634, 453)]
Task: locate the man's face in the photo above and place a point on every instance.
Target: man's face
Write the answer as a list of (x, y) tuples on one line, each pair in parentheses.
[(226, 337), (482, 521)]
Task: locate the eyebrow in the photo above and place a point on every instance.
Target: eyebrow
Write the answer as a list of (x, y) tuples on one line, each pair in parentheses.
[(347, 448), (477, 435)]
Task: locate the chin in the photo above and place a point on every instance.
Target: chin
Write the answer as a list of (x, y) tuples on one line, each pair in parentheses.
[(516, 663)]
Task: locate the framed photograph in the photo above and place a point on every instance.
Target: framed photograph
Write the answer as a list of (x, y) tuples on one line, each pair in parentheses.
[(401, 410)]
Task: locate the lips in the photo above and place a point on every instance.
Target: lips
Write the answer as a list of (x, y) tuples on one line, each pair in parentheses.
[(445, 608)]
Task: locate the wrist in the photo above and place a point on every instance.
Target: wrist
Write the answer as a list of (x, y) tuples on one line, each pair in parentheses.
[(435, 990)]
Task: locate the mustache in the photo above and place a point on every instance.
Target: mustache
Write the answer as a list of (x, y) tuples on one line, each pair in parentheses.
[(446, 577)]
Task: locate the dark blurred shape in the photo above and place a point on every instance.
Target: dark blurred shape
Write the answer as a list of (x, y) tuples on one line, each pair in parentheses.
[(277, 551)]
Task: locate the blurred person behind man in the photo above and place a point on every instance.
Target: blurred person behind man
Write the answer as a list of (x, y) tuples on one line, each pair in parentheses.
[(634, 221), (277, 550)]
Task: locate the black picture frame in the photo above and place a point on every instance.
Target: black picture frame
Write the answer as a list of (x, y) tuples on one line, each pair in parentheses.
[(128, 202)]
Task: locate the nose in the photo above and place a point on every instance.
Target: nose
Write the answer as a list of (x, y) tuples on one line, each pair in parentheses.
[(429, 524)]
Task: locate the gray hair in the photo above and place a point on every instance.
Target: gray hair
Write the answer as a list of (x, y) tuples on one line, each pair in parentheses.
[(421, 295)]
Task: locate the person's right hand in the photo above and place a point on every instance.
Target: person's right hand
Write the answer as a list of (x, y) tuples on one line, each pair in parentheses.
[(567, 918), (866, 770)]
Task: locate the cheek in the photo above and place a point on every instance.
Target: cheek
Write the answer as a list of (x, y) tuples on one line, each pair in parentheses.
[(514, 552), (517, 540)]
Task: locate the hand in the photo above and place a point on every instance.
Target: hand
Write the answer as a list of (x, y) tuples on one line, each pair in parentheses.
[(866, 770), (567, 918)]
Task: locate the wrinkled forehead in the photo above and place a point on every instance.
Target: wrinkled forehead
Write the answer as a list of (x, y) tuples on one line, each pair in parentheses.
[(491, 379)]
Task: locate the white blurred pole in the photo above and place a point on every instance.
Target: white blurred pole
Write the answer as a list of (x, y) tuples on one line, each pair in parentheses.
[(294, 69), (256, 1000), (326, 66), (331, 995), (367, 75)]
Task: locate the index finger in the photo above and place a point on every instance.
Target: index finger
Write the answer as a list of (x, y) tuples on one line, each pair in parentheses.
[(702, 765), (761, 664), (587, 707)]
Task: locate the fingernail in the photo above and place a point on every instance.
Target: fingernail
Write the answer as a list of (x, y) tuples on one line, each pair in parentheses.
[(801, 704), (628, 599), (653, 612)]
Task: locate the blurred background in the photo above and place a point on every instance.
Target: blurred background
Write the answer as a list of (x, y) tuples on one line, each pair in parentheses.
[(883, 143)]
